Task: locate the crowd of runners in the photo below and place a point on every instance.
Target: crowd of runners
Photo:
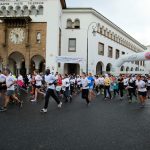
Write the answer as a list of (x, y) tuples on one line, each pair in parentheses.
[(63, 88)]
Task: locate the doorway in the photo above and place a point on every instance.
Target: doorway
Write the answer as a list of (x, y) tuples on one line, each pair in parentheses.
[(72, 69)]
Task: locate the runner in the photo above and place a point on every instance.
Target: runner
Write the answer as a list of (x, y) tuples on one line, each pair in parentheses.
[(148, 87), (10, 81), (85, 88), (50, 80), (107, 83), (38, 84), (142, 91)]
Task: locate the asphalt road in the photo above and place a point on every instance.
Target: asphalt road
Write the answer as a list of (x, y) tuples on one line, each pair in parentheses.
[(104, 125)]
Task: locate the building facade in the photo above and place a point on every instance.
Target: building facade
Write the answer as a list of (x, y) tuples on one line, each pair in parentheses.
[(34, 32)]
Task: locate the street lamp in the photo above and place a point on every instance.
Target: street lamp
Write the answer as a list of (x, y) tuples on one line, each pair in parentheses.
[(94, 32)]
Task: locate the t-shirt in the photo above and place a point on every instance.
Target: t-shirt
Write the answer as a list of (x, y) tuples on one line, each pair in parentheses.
[(85, 83), (125, 81), (141, 85), (91, 81), (107, 81), (2, 78), (96, 81), (78, 81), (20, 78), (148, 82), (101, 81), (38, 80), (50, 79), (9, 81)]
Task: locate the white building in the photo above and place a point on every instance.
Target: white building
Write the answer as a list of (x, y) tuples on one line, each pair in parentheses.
[(67, 30)]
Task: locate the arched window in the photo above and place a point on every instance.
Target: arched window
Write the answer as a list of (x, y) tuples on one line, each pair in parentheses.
[(33, 10), (26, 10), (77, 24), (132, 69), (11, 10), (69, 23), (40, 10), (18, 11), (4, 11)]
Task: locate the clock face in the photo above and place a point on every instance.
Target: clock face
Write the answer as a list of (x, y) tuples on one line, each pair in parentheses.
[(17, 35)]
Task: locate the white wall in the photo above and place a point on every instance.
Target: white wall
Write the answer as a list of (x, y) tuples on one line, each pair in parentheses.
[(81, 35)]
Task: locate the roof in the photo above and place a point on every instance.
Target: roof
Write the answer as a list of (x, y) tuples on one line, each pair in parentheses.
[(106, 20)]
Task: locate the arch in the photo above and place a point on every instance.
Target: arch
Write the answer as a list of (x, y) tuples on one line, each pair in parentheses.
[(136, 69), (99, 68), (77, 24), (33, 10), (127, 69), (18, 11), (69, 23), (17, 63), (38, 63), (26, 10), (132, 69), (108, 67), (40, 10), (122, 68)]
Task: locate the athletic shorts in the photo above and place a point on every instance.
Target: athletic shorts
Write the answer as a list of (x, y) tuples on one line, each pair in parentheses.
[(10, 92), (38, 87), (142, 93)]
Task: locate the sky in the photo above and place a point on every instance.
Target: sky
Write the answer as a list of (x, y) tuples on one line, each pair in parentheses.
[(133, 16)]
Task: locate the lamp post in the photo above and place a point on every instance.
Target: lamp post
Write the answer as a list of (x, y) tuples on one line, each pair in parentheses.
[(95, 25)]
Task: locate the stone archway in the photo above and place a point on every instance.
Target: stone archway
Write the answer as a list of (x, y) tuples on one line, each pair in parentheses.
[(17, 63), (38, 63), (99, 68)]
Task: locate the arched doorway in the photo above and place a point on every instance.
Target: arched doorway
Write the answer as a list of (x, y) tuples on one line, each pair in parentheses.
[(37, 63), (17, 63), (72, 68), (108, 67), (99, 68)]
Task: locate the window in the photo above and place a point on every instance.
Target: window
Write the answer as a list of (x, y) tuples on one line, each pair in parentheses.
[(69, 24), (72, 45), (123, 53), (100, 48), (110, 52), (143, 63), (77, 24), (117, 53), (38, 37), (137, 62)]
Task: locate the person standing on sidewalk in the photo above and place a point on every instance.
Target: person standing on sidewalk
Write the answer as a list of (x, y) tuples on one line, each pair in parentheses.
[(50, 81)]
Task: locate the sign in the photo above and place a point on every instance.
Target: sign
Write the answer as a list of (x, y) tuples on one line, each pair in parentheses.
[(22, 2), (70, 60)]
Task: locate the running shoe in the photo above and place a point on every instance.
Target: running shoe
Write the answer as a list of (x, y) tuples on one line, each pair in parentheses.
[(43, 110), (2, 109), (59, 105), (33, 100)]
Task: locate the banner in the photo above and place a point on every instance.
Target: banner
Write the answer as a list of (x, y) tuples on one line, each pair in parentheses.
[(70, 60)]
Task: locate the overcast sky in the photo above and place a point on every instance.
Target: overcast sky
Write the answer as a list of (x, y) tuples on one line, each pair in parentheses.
[(133, 16)]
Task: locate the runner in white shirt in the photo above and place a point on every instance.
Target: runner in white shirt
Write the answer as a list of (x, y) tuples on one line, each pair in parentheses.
[(101, 84), (85, 88), (10, 81), (50, 81), (97, 85), (20, 78), (38, 84), (142, 91)]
